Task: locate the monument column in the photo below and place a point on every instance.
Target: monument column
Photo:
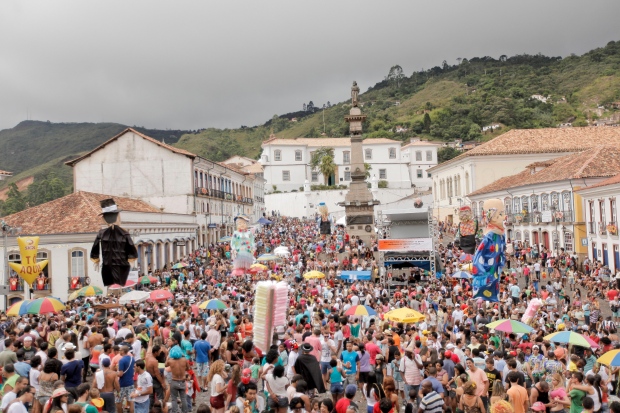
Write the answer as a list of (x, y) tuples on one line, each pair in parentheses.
[(358, 203)]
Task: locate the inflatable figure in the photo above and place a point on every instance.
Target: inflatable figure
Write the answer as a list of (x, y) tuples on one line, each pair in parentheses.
[(242, 244), (325, 224), (532, 309), (468, 227), (489, 258)]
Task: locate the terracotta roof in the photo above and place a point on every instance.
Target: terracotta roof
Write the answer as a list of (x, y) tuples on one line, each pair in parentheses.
[(5, 173), (254, 168), (549, 140), (75, 213), (148, 138), (599, 162), (611, 181), (318, 142)]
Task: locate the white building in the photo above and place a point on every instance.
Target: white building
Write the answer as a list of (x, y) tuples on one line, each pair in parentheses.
[(286, 162), (419, 156), (541, 204), (67, 228), (600, 208), (171, 179), (4, 175), (505, 155)]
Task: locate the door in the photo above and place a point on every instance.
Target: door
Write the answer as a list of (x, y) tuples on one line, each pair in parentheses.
[(605, 255), (546, 239), (616, 257), (594, 254), (536, 236)]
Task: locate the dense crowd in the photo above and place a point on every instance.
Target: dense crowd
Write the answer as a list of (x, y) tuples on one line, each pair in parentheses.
[(100, 356)]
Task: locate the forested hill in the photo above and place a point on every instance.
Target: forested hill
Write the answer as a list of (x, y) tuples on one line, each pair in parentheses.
[(449, 102), (444, 102)]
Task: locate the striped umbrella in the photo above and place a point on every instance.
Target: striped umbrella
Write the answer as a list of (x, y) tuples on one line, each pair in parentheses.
[(462, 274), (45, 305), (572, 338), (361, 310), (88, 291), (19, 308), (510, 326), (611, 358), (147, 280), (212, 305)]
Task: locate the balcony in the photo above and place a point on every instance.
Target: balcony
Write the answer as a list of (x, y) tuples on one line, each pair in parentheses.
[(592, 227), (612, 228), (75, 283), (40, 284), (217, 194), (602, 228)]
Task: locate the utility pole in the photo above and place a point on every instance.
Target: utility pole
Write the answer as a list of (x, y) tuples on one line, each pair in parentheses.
[(6, 230)]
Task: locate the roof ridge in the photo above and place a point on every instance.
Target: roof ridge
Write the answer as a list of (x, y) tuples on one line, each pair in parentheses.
[(583, 166)]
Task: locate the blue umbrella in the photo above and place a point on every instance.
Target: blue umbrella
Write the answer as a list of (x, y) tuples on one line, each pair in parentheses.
[(461, 274), (264, 221)]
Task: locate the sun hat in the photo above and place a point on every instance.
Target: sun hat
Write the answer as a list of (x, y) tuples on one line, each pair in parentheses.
[(538, 407), (61, 391)]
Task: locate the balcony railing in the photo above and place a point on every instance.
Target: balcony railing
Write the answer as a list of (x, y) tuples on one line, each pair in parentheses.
[(602, 228), (39, 284), (75, 283), (591, 227), (216, 193)]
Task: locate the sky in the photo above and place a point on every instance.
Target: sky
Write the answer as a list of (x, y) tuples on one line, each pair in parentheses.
[(189, 64)]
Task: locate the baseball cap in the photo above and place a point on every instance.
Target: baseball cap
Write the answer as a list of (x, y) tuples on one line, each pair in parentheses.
[(308, 326), (448, 354), (350, 390), (111, 321), (539, 407)]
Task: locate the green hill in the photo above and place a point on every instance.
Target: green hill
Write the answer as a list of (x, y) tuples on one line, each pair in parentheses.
[(442, 103)]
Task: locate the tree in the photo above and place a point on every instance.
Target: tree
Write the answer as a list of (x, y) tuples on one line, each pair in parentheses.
[(395, 75), (447, 153), (427, 123), (304, 107), (310, 107), (367, 167), (15, 201), (322, 160), (503, 58), (444, 65), (329, 105), (42, 191)]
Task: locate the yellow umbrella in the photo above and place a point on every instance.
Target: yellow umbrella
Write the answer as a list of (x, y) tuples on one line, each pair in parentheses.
[(404, 315), (314, 274), (258, 266)]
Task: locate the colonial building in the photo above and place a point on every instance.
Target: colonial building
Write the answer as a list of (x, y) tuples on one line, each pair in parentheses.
[(172, 180), (67, 228), (543, 206), (420, 156), (286, 162), (506, 155), (5, 175), (601, 217)]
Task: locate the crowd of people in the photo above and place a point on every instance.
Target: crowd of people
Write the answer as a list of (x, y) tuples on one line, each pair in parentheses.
[(100, 356)]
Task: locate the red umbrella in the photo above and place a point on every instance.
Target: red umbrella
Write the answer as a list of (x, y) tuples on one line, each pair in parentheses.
[(130, 283), (161, 295)]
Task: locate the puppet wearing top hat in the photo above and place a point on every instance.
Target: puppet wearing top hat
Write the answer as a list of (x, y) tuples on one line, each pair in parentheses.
[(115, 246)]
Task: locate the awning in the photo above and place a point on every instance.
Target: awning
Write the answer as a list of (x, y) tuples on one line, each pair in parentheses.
[(355, 275)]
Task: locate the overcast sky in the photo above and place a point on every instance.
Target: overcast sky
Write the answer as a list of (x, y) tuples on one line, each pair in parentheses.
[(204, 63)]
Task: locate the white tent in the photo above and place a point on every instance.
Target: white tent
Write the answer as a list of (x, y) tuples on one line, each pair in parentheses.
[(134, 296), (342, 221)]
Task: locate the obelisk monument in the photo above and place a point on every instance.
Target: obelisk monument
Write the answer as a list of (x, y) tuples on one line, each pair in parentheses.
[(359, 203)]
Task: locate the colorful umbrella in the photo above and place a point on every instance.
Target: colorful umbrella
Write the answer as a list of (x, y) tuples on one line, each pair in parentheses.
[(314, 274), (88, 291), (212, 305), (611, 358), (268, 257), (571, 338), (134, 297), (227, 238), (19, 308), (510, 326), (147, 280), (404, 315), (45, 305), (161, 295), (461, 274), (361, 310), (465, 257), (178, 266), (259, 267)]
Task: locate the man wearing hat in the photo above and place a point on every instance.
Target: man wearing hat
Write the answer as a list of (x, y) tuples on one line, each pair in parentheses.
[(308, 366), (115, 245)]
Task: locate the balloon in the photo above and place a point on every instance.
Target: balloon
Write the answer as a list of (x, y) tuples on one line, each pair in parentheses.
[(29, 269)]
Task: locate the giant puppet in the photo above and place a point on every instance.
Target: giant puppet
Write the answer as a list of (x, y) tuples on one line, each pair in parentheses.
[(325, 223), (242, 244), (489, 258), (113, 246), (468, 227)]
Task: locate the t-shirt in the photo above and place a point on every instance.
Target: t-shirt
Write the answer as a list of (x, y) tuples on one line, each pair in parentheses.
[(126, 366), (217, 379), (8, 398), (326, 351), (89, 407), (576, 399), (17, 407), (202, 349), (73, 372), (479, 377), (343, 404), (144, 382), (518, 396), (350, 357), (492, 375), (515, 290), (432, 403)]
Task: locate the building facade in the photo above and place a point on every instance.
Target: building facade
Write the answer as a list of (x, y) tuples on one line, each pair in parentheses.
[(506, 155), (173, 180), (420, 156), (600, 213), (286, 162)]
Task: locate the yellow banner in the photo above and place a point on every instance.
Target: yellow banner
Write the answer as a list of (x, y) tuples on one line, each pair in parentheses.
[(29, 269)]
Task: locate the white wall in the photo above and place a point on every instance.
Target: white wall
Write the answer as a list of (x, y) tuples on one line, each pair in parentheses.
[(133, 167)]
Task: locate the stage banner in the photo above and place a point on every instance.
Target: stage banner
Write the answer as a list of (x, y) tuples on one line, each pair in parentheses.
[(407, 244)]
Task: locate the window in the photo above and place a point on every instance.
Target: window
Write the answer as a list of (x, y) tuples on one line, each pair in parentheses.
[(44, 255), (347, 175), (429, 156), (315, 177), (298, 155), (277, 155), (77, 264), (382, 174), (612, 210), (419, 173), (418, 156), (14, 257), (392, 153), (428, 174), (602, 209), (286, 175), (568, 242), (368, 154), (346, 157)]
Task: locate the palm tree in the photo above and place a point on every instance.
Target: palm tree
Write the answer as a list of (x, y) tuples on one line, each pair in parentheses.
[(323, 161)]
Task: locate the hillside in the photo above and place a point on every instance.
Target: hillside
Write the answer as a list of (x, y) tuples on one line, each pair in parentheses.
[(442, 103)]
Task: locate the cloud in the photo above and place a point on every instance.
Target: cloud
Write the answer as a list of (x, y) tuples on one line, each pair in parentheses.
[(190, 64)]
